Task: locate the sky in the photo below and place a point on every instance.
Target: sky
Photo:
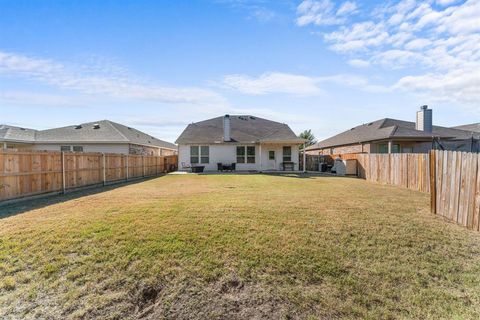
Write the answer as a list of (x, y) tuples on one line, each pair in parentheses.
[(158, 65)]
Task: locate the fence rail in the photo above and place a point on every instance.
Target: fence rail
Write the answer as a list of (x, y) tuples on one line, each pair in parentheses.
[(24, 174)]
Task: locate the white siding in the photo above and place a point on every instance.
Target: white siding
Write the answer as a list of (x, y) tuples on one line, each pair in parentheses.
[(106, 148), (277, 163), (227, 154)]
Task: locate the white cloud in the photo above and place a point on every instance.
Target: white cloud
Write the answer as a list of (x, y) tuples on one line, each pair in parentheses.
[(273, 82), (460, 85), (359, 37), (323, 12), (347, 7), (40, 99), (359, 63), (82, 79), (445, 2), (432, 42), (416, 44)]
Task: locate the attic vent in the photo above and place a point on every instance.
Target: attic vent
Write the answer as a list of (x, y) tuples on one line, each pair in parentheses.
[(253, 118), (243, 118), (96, 126), (23, 129), (78, 127), (370, 124), (352, 129), (129, 128)]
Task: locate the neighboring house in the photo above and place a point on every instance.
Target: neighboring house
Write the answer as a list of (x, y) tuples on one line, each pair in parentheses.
[(252, 143), (397, 136), (101, 136)]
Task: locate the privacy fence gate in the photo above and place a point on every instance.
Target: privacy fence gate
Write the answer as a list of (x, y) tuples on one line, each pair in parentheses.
[(24, 174)]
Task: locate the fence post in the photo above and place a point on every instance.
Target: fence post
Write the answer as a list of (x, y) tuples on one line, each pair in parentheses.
[(63, 172), (104, 171), (433, 182), (127, 168)]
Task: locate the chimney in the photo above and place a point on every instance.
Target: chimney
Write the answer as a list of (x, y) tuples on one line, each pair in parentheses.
[(226, 128), (424, 119)]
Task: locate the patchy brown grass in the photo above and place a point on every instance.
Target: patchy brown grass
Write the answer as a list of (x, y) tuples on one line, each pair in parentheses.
[(238, 247)]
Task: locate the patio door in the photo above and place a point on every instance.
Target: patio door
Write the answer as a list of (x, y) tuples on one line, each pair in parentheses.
[(272, 162)]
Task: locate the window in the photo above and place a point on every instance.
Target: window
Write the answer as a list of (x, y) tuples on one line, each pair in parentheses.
[(205, 154), (251, 154), (65, 148), (287, 154), (194, 154), (383, 148), (395, 148), (77, 148), (199, 154), (271, 155), (246, 154), (407, 149)]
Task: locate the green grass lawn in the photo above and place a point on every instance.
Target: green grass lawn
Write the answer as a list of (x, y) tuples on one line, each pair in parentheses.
[(237, 247)]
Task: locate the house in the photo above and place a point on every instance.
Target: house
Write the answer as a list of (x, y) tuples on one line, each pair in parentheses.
[(398, 136), (100, 136), (252, 143)]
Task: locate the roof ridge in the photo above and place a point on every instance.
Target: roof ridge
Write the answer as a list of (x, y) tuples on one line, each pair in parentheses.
[(395, 128), (111, 123)]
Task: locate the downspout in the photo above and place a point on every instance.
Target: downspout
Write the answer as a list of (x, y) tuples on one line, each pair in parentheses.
[(260, 150), (304, 158)]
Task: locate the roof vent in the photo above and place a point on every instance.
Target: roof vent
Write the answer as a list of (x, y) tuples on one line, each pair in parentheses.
[(129, 128), (370, 124), (23, 129), (96, 126), (253, 118), (78, 127)]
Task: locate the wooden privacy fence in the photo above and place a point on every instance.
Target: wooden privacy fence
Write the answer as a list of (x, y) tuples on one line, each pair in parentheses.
[(408, 170), (452, 178), (456, 185), (31, 173)]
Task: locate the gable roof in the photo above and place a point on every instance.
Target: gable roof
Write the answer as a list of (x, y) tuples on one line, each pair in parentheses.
[(243, 129), (473, 127), (104, 131), (390, 128)]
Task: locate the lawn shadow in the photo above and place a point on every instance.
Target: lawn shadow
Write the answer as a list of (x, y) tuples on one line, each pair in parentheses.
[(307, 175), (18, 206)]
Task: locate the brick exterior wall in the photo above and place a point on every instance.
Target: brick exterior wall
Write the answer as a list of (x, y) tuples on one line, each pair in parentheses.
[(415, 146), (148, 151)]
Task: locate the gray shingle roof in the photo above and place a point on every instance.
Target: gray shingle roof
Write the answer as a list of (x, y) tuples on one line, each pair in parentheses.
[(474, 127), (244, 129), (13, 133), (390, 128), (106, 131)]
